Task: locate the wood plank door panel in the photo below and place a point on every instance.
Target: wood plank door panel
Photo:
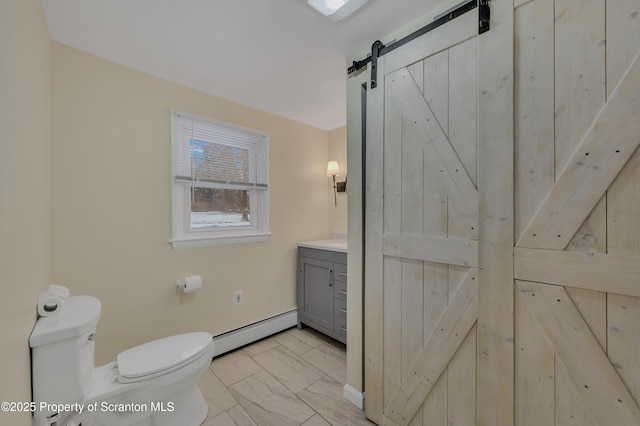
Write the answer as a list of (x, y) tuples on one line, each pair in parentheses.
[(474, 262), (422, 237), (577, 212)]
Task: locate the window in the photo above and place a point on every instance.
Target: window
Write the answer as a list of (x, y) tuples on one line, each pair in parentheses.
[(220, 183)]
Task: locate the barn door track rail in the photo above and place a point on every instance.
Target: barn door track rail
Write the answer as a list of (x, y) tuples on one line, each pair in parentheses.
[(378, 49)]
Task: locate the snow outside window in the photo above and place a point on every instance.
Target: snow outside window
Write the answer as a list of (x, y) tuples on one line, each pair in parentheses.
[(220, 182)]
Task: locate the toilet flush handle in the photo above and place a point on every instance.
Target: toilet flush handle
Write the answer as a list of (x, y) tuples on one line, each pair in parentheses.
[(91, 337)]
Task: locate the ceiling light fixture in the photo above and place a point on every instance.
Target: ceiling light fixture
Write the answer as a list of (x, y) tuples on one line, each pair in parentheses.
[(336, 9)]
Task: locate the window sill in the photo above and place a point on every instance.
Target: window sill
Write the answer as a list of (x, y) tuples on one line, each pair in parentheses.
[(209, 241)]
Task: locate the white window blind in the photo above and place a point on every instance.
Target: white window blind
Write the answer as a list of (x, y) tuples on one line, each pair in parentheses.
[(214, 154)]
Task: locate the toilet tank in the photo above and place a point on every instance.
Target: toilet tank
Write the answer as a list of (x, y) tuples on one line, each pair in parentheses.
[(62, 350)]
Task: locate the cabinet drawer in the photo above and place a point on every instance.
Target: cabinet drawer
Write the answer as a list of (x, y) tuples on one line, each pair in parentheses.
[(340, 326), (340, 308), (340, 290), (340, 272)]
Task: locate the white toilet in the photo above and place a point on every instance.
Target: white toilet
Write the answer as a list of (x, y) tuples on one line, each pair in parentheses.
[(154, 384)]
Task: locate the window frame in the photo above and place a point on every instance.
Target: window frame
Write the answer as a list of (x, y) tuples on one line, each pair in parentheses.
[(183, 236)]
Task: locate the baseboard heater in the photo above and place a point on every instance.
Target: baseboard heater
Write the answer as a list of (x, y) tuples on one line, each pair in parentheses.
[(253, 332)]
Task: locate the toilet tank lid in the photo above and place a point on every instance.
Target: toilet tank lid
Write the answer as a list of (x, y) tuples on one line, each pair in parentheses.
[(78, 315), (162, 354)]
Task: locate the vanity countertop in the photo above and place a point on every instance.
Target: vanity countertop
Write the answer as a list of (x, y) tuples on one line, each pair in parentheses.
[(339, 245)]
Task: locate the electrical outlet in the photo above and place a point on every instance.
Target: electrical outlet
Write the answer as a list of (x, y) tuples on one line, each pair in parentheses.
[(238, 297)]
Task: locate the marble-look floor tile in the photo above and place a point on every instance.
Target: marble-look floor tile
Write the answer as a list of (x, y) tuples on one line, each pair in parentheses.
[(235, 416), (291, 370), (310, 336), (339, 346), (253, 386), (261, 346), (241, 417), (269, 402), (336, 349), (289, 340), (215, 394), (316, 420), (222, 419), (330, 360), (326, 398), (234, 366)]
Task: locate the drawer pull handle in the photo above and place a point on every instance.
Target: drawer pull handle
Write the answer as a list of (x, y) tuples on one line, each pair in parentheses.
[(344, 311), (343, 292)]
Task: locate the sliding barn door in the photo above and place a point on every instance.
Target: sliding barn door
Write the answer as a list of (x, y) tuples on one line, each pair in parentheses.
[(577, 258), (502, 271), (423, 226)]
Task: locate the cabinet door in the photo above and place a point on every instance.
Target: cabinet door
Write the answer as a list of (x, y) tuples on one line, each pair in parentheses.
[(317, 291)]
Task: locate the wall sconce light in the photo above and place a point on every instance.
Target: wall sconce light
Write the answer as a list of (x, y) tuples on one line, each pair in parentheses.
[(333, 170)]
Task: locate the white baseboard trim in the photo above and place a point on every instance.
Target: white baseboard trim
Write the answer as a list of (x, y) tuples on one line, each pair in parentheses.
[(353, 396), (251, 333)]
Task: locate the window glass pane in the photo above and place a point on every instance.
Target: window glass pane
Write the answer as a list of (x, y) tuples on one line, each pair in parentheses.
[(218, 162), (217, 208)]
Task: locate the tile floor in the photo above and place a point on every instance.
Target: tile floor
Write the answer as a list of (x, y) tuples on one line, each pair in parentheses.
[(295, 377)]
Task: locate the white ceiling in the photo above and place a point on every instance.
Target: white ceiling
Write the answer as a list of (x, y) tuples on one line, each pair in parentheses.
[(275, 55)]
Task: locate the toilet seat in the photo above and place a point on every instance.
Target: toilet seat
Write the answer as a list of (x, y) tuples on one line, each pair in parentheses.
[(161, 356)]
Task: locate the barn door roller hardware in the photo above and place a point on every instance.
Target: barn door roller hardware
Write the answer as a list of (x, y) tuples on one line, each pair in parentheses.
[(378, 49), (484, 16)]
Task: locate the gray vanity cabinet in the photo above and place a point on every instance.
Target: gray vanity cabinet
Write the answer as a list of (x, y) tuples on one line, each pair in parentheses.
[(322, 291)]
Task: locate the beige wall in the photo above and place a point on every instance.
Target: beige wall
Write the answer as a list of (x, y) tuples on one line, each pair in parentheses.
[(111, 206), (338, 151), (24, 190)]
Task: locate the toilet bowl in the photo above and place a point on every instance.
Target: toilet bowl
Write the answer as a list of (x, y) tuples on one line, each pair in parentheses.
[(154, 384)]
